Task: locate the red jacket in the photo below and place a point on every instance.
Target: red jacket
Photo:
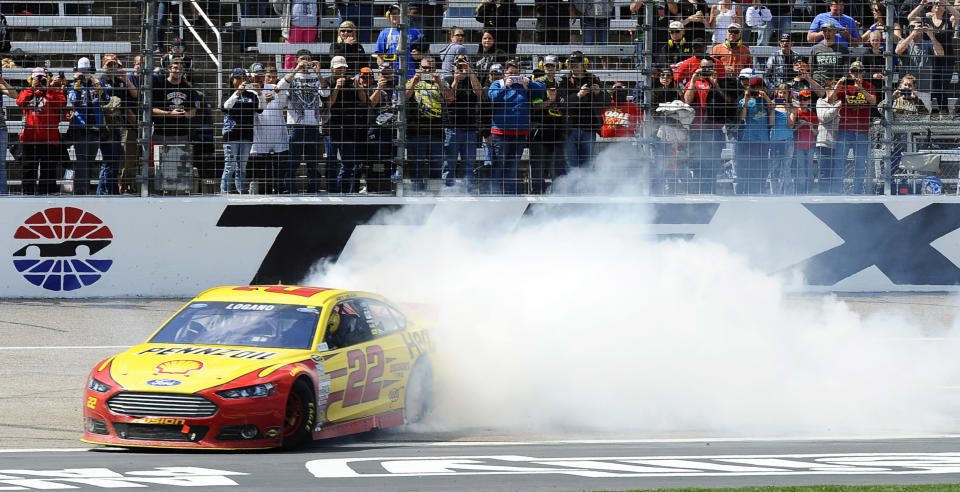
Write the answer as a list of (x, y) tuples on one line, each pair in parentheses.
[(41, 114)]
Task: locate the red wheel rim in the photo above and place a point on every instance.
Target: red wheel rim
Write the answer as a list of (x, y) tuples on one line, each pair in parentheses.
[(293, 417)]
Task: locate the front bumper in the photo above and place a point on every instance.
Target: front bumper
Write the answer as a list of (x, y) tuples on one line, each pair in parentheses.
[(234, 424)]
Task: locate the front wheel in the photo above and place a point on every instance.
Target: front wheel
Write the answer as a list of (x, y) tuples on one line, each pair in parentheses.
[(300, 415), (418, 396)]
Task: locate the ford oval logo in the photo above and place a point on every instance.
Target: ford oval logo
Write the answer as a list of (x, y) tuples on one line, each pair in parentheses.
[(163, 382)]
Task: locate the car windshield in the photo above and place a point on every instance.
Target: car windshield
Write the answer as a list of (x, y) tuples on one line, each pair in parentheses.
[(249, 325)]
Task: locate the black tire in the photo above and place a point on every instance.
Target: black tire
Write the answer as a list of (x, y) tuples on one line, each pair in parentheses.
[(300, 416), (418, 395)]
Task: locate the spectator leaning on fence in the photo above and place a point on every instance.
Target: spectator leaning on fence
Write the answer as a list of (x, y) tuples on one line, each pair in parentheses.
[(513, 98), (240, 108), (306, 94), (6, 90), (41, 104), (88, 133)]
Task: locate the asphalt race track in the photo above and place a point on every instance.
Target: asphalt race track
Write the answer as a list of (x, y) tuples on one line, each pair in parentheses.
[(48, 347)]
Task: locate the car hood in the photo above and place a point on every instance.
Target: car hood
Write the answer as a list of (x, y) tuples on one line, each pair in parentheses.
[(191, 368)]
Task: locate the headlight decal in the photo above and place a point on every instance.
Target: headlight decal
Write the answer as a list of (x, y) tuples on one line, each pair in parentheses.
[(256, 391)]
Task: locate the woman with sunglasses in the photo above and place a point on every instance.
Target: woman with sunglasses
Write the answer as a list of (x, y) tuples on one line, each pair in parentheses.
[(348, 47)]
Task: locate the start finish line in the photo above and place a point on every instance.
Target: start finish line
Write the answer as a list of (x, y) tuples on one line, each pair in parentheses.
[(642, 466)]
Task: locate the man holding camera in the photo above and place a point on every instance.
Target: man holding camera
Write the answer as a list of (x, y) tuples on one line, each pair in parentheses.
[(512, 98), (382, 98), (845, 31), (85, 98), (857, 96), (426, 94), (306, 93), (586, 101), (711, 101), (347, 127), (41, 104), (916, 53), (461, 124)]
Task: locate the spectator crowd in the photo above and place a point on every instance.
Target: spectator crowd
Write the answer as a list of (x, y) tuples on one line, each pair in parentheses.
[(720, 109)]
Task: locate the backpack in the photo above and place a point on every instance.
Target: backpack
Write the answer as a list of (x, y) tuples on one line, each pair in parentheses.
[(4, 35)]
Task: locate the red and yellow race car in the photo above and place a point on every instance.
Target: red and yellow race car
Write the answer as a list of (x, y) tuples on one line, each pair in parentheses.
[(263, 366)]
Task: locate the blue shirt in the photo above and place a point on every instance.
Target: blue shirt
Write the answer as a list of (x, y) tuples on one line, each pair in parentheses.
[(755, 125), (388, 42), (843, 21), (781, 129)]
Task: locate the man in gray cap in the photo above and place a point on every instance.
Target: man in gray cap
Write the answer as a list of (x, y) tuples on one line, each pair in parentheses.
[(828, 58)]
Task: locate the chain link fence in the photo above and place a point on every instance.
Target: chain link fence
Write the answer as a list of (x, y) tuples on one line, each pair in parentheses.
[(499, 97)]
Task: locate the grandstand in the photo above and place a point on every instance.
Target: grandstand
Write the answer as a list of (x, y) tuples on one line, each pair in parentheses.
[(886, 144)]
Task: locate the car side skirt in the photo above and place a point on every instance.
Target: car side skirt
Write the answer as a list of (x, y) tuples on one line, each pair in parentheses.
[(384, 420)]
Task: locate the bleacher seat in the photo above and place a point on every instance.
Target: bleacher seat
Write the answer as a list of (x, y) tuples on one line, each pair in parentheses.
[(83, 48)]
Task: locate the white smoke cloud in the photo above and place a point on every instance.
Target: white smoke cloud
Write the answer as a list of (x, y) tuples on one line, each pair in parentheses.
[(587, 323)]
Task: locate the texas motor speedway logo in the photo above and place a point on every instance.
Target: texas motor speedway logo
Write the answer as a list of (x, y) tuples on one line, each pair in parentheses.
[(59, 249)]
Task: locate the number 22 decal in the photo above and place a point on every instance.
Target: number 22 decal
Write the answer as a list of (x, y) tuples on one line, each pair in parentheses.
[(363, 366)]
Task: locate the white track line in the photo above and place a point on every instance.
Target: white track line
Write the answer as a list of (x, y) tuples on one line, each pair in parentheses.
[(68, 347)]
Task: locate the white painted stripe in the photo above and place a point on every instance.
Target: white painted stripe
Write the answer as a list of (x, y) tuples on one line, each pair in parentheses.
[(394, 444), (68, 347)]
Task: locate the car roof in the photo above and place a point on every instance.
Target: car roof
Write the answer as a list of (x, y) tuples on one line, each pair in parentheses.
[(271, 294)]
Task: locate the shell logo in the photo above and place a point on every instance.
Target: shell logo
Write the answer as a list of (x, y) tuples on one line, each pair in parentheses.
[(61, 249), (179, 366)]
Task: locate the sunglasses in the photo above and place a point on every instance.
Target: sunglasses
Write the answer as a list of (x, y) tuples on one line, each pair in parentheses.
[(733, 31), (458, 35), (674, 31), (346, 31)]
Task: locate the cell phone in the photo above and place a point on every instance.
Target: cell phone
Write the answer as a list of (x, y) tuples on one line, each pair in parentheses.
[(427, 77), (517, 79), (906, 92), (779, 100)]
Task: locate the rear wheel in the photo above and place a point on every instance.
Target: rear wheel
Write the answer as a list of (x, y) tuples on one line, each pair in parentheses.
[(300, 415), (418, 396)]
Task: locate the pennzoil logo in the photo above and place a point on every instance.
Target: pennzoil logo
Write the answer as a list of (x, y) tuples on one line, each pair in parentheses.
[(179, 366), (61, 248), (154, 420)]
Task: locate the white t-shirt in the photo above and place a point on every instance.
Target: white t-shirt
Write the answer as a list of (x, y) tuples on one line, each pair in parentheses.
[(270, 127)]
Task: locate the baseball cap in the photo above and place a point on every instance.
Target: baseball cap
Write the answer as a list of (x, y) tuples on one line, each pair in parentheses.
[(785, 36), (83, 65), (676, 25), (551, 60), (366, 71), (856, 66), (735, 25), (38, 72), (746, 73), (756, 81), (805, 93), (496, 68), (828, 26), (698, 41), (618, 85), (238, 72), (576, 57), (395, 6), (338, 62), (257, 69)]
